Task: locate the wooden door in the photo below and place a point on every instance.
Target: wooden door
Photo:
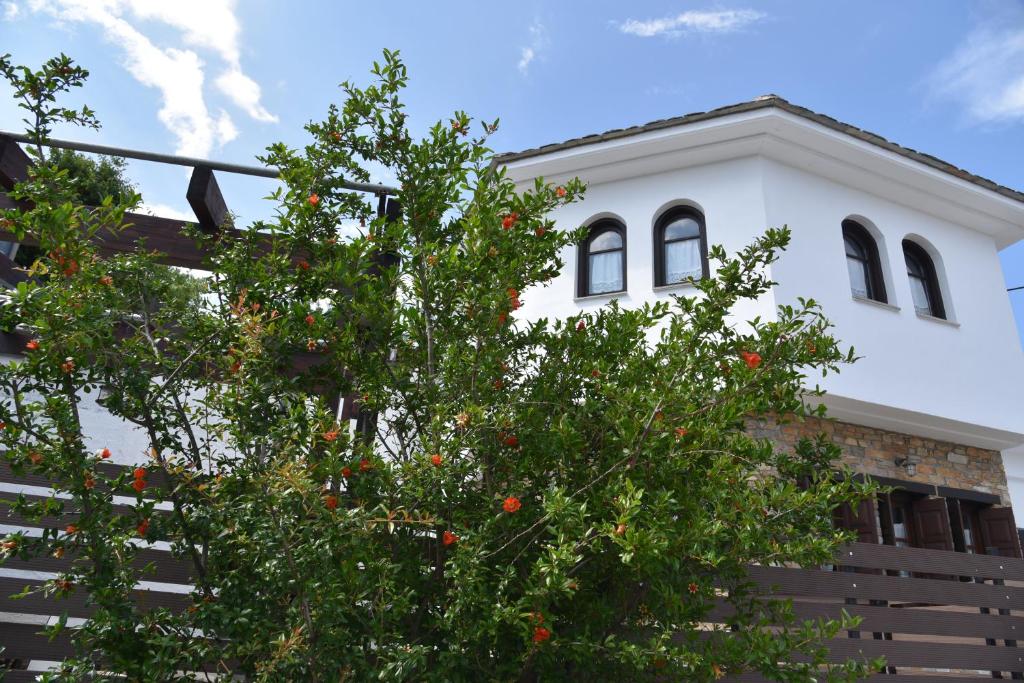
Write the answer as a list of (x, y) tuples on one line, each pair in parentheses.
[(999, 532), (931, 520)]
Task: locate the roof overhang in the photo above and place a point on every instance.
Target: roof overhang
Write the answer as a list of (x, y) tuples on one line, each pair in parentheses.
[(821, 146)]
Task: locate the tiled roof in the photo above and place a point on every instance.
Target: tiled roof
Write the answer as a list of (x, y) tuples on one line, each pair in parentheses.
[(765, 102)]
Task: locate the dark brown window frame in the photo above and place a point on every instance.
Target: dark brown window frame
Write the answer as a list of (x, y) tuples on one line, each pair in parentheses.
[(596, 229), (664, 220), (914, 251), (857, 233)]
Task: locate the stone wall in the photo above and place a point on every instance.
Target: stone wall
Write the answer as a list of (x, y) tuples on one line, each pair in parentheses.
[(874, 451)]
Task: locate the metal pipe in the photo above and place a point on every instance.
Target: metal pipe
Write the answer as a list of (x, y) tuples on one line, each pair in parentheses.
[(227, 167)]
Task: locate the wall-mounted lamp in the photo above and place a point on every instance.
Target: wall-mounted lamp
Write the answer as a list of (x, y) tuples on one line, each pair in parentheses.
[(909, 464)]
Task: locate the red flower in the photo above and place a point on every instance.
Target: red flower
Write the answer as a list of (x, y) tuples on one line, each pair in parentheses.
[(620, 530), (32, 345), (105, 453), (501, 319), (364, 465), (71, 529), (314, 199), (511, 441), (448, 538), (143, 527), (595, 373), (336, 135), (515, 304), (693, 588), (139, 485), (310, 319), (106, 280), (513, 293), (511, 504), (751, 358), (235, 367), (346, 471), (540, 634), (68, 366), (680, 432), (35, 458), (331, 434), (436, 460), (508, 221), (331, 502), (303, 264), (139, 473), (580, 326), (498, 383), (539, 231), (560, 191), (89, 482)]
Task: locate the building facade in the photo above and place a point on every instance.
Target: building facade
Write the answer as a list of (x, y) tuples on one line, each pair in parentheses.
[(901, 250)]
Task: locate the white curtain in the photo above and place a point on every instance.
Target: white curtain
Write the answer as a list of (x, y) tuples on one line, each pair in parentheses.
[(682, 260), (858, 277), (605, 272)]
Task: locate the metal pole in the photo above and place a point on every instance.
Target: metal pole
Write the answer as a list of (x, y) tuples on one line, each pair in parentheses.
[(243, 169)]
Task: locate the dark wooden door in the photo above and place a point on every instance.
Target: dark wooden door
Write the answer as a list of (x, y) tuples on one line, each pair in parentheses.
[(999, 532), (862, 520)]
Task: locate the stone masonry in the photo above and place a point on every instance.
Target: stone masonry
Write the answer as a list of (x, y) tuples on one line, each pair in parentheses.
[(875, 451)]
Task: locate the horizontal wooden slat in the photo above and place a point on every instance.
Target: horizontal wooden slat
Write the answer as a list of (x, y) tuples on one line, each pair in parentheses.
[(923, 560), (165, 567), (24, 641), (934, 622), (154, 478), (879, 678), (75, 605), (822, 584), (21, 676), (933, 655)]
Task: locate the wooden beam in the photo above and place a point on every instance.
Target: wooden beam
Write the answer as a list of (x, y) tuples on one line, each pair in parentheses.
[(14, 162), (10, 272), (206, 200)]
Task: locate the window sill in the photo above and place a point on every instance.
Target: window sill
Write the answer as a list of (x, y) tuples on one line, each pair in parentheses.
[(879, 304), (932, 318), (675, 285), (600, 297)]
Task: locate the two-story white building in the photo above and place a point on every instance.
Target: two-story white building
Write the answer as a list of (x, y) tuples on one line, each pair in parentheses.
[(899, 247)]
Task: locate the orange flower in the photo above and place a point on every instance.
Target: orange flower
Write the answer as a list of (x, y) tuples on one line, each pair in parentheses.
[(512, 292), (620, 530), (105, 453), (331, 435), (448, 538), (68, 366), (71, 529), (693, 588), (331, 502), (560, 191), (32, 345), (346, 471), (310, 319), (139, 485), (502, 318), (511, 504), (751, 358), (143, 528), (717, 670), (436, 460), (314, 199), (462, 420), (498, 383), (540, 634), (364, 465), (539, 231), (139, 473), (511, 440), (106, 280), (680, 432), (336, 135), (35, 458), (303, 264), (508, 221), (89, 482)]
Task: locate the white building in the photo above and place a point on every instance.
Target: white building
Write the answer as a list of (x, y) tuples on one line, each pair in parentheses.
[(900, 248)]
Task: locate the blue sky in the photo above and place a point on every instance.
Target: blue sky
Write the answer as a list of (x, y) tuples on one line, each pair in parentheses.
[(223, 79)]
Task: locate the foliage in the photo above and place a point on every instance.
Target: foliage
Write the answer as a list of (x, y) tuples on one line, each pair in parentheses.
[(523, 499)]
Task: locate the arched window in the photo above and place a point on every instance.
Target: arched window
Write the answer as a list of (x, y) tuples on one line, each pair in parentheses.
[(924, 285), (603, 259), (862, 262), (680, 245)]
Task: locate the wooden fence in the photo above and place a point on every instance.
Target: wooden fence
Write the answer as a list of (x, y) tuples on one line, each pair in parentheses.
[(936, 616)]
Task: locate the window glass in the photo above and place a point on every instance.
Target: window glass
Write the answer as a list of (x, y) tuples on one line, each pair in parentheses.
[(858, 276), (681, 229), (609, 239)]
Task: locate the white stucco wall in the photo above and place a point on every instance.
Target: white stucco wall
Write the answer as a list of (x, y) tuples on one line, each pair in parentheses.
[(959, 380)]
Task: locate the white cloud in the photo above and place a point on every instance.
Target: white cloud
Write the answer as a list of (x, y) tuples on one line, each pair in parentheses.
[(179, 73), (694, 21), (528, 53), (167, 211), (986, 71), (11, 11)]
